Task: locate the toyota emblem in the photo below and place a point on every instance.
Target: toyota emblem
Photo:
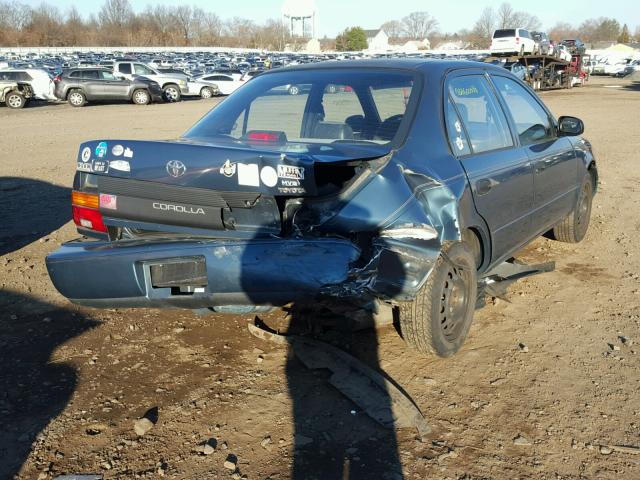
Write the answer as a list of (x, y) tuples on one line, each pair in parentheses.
[(176, 168)]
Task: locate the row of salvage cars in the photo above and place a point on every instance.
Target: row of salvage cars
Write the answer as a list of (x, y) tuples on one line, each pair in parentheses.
[(400, 184), (126, 81)]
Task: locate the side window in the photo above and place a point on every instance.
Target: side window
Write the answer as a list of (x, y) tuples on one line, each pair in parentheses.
[(142, 70), (108, 76), (532, 122), (75, 74), (480, 113), (90, 75), (457, 137), (125, 68)]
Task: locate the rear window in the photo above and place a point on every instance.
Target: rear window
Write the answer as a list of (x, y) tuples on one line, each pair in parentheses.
[(288, 109), (510, 32)]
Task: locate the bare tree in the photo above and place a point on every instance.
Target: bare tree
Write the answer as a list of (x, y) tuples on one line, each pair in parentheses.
[(507, 17), (419, 25), (562, 30), (483, 28), (393, 29)]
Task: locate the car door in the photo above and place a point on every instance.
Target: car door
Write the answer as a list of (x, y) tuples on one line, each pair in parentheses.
[(499, 172), (92, 84), (555, 164), (114, 87), (224, 83)]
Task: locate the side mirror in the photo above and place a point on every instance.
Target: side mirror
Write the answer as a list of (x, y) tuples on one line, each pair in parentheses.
[(570, 126)]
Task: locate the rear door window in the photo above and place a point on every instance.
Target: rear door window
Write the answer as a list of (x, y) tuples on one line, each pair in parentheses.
[(90, 75), (125, 68), (479, 111)]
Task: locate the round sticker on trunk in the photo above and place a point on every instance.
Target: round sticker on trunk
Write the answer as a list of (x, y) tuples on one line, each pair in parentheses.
[(269, 176), (117, 150)]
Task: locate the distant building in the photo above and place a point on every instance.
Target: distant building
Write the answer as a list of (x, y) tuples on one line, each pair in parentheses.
[(415, 45), (377, 40)]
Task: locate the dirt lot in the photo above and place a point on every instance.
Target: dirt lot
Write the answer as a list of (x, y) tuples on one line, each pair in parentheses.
[(542, 384)]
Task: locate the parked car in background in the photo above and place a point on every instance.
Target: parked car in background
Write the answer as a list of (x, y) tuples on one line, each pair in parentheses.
[(512, 41), (629, 69), (40, 81), (15, 94), (574, 46), (225, 83), (615, 67), (517, 69), (172, 85), (197, 88), (544, 46), (562, 52), (388, 195), (81, 85)]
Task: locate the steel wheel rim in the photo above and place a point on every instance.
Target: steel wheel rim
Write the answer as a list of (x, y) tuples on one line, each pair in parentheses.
[(583, 207), (454, 302), (15, 101)]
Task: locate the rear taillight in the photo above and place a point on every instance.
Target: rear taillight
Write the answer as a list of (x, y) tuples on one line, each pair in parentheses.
[(57, 78), (85, 211)]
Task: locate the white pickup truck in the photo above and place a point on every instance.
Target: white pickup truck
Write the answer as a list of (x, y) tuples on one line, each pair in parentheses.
[(173, 86)]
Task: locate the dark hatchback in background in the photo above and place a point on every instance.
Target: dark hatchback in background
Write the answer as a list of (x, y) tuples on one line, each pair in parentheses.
[(81, 85), (407, 186)]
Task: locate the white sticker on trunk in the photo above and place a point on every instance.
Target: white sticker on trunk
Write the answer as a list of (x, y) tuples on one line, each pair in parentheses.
[(248, 174), (269, 176), (291, 172), (121, 165)]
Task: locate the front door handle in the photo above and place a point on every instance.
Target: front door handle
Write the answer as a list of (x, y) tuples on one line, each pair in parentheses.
[(484, 186)]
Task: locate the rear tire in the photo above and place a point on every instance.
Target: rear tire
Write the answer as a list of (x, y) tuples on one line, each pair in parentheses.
[(15, 100), (438, 320), (76, 98), (171, 93), (141, 97), (574, 227)]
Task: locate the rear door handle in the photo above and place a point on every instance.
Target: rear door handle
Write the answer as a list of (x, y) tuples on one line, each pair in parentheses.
[(484, 186)]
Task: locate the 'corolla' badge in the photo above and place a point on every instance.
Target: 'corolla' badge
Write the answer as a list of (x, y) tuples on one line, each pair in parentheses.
[(176, 168)]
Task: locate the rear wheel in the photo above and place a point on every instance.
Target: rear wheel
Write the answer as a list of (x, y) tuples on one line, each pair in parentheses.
[(141, 97), (438, 320), (15, 100), (206, 92), (171, 93), (574, 227), (76, 98)]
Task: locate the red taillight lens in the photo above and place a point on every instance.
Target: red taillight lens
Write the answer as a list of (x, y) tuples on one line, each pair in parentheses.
[(263, 137), (57, 78), (88, 218), (85, 211)]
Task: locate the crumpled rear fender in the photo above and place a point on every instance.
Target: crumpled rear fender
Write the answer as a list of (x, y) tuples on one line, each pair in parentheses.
[(404, 218)]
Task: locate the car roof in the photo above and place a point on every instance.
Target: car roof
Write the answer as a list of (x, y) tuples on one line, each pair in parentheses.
[(431, 66)]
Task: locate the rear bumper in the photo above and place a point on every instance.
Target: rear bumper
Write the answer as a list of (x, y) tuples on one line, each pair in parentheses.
[(251, 272)]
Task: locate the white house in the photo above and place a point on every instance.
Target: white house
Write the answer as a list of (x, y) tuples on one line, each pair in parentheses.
[(377, 40)]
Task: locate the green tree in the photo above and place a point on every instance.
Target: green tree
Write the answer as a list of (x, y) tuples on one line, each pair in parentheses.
[(351, 39), (624, 35)]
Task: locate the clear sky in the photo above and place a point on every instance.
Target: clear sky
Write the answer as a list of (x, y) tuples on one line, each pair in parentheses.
[(335, 15)]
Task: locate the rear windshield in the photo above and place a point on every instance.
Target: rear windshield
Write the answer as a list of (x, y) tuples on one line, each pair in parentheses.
[(510, 32), (289, 109)]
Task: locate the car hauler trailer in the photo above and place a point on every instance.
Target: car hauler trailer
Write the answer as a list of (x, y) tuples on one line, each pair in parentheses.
[(547, 72)]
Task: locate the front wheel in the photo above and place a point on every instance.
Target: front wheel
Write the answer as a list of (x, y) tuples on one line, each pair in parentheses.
[(141, 97), (438, 320), (575, 225), (172, 93), (15, 100)]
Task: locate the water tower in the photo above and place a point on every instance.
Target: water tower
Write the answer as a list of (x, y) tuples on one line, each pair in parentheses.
[(299, 17)]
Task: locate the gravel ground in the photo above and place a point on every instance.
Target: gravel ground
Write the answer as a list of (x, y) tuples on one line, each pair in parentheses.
[(546, 386)]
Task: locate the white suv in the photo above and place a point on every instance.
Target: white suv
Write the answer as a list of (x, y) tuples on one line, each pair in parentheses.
[(40, 81), (515, 41)]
